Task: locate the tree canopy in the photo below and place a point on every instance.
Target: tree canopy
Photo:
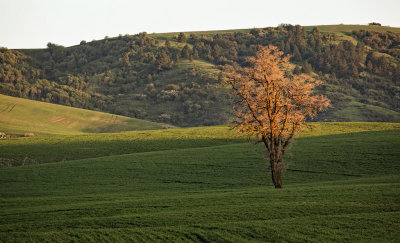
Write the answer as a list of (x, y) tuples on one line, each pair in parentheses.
[(274, 102)]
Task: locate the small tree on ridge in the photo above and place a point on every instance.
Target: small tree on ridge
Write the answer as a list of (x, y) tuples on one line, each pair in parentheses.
[(274, 102), (181, 38)]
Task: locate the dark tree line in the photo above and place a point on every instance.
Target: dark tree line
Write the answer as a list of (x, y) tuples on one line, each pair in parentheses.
[(18, 78)]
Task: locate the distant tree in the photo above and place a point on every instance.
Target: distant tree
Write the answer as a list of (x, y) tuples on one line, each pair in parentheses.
[(354, 70), (185, 53), (257, 32), (274, 104), (307, 68), (287, 47), (315, 31), (167, 44), (208, 53), (181, 38), (311, 41), (282, 45), (193, 37), (177, 58), (195, 53), (57, 52), (232, 53), (375, 24), (216, 51), (296, 53), (124, 61)]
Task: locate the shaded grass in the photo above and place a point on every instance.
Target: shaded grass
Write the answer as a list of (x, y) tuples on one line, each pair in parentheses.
[(322, 158), (337, 189), (42, 149)]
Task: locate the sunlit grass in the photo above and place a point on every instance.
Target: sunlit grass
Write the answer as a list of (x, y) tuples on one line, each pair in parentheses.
[(337, 187), (19, 116)]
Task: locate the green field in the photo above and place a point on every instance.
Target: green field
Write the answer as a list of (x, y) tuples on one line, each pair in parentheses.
[(349, 28), (202, 184), (19, 116), (340, 28)]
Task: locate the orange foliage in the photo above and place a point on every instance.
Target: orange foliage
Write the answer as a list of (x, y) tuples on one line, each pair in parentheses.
[(274, 102)]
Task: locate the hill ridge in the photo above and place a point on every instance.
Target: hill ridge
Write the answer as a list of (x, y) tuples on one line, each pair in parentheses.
[(175, 78)]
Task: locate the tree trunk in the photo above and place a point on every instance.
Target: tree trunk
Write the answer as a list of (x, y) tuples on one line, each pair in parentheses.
[(275, 160), (276, 171)]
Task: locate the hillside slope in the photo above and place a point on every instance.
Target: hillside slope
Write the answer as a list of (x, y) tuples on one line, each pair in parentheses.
[(45, 149), (337, 188), (174, 77), (19, 116)]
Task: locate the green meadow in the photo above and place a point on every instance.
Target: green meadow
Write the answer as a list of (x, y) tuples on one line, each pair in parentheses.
[(204, 184), (19, 116), (324, 28)]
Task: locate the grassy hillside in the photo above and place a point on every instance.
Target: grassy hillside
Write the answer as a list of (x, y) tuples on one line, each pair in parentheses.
[(44, 149), (342, 184), (162, 78), (325, 28), (19, 116), (349, 28)]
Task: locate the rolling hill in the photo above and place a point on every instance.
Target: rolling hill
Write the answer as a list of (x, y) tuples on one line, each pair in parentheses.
[(176, 80), (203, 184), (19, 116), (90, 176)]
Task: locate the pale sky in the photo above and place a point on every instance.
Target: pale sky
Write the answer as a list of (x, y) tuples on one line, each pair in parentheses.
[(34, 23)]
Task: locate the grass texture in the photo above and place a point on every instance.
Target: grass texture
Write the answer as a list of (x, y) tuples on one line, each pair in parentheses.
[(205, 184)]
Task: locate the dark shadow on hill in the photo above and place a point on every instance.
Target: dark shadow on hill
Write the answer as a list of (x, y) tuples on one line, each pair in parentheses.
[(64, 149)]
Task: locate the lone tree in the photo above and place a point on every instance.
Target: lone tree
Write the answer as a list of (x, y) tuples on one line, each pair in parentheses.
[(274, 102), (181, 38)]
